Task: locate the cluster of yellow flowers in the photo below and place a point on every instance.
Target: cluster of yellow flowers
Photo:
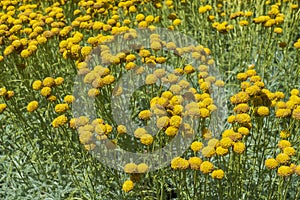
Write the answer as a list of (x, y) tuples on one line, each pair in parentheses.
[(283, 161)]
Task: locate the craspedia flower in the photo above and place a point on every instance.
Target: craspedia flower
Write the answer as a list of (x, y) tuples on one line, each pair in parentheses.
[(241, 108), (32, 106), (217, 174), (242, 76), (239, 147), (271, 163), (296, 113), (297, 170), (244, 131), (3, 106), (208, 151), (151, 79), (221, 151), (263, 111), (205, 86), (121, 129), (196, 146), (46, 91), (206, 167), (179, 163), (241, 97), (171, 131), (146, 139), (284, 171), (290, 151), (282, 112), (130, 168), (48, 82), (93, 92), (176, 22), (284, 134), (139, 132), (142, 168), (162, 122), (226, 142), (145, 114), (85, 137), (175, 121), (59, 121), (69, 99), (195, 163), (243, 118), (59, 81), (60, 108), (36, 85), (128, 186), (231, 119), (283, 144), (220, 83), (282, 158)]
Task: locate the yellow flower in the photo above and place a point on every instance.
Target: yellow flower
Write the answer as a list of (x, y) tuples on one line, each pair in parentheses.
[(93, 92), (128, 186), (151, 79), (278, 30), (244, 23), (60, 108), (179, 163), (217, 174), (285, 134), (241, 108), (221, 151), (139, 132), (271, 163), (206, 167), (46, 91), (36, 85), (290, 151), (32, 106), (243, 131), (195, 163), (130, 168), (3, 106), (284, 171), (146, 139), (283, 144), (175, 121), (85, 137), (208, 151), (239, 147), (296, 113), (243, 118), (145, 114), (226, 142), (176, 22), (196, 146), (171, 131), (121, 129), (263, 111), (69, 99), (58, 81), (282, 158), (142, 168), (59, 121)]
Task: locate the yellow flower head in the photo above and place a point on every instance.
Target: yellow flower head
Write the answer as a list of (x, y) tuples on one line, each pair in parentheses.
[(32, 106), (127, 186), (206, 167), (217, 174)]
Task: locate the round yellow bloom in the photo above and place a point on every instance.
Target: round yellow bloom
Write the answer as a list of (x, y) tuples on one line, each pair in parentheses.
[(239, 147), (221, 151), (196, 146), (206, 167), (290, 151), (162, 122), (179, 163), (146, 139), (283, 144), (217, 174), (93, 92), (175, 121), (36, 85), (284, 134), (226, 142), (243, 118), (139, 132), (263, 111), (243, 130), (46, 91), (171, 131), (69, 99), (3, 106), (121, 129), (151, 79), (282, 158), (59, 121), (145, 114), (176, 22), (271, 163), (32, 106), (128, 186), (130, 168), (208, 151), (195, 163), (142, 168), (48, 82), (59, 81), (85, 137), (241, 108), (60, 108), (284, 171)]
